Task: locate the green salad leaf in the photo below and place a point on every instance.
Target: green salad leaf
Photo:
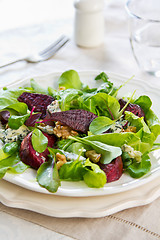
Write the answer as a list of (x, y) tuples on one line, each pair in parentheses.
[(116, 139), (19, 108), (70, 79), (108, 86), (144, 102), (11, 147), (69, 99), (37, 88), (9, 98), (77, 170), (100, 125), (102, 104), (108, 152), (47, 175), (3, 155), (15, 121), (153, 123), (72, 171), (137, 170), (12, 164), (94, 177), (39, 141), (136, 121)]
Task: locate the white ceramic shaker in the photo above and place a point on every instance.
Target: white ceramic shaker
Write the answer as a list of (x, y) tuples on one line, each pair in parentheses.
[(89, 23)]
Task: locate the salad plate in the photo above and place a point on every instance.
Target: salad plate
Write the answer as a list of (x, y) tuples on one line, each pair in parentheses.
[(87, 207), (27, 179)]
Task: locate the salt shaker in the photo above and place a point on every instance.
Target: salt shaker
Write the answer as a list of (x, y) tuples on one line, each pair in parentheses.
[(89, 23)]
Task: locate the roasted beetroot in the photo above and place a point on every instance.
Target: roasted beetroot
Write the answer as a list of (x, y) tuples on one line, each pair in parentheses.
[(113, 170), (77, 119), (4, 115), (38, 101), (31, 121), (134, 108), (29, 156)]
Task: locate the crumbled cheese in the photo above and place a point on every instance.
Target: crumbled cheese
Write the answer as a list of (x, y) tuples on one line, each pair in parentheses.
[(54, 107), (43, 158), (132, 153), (72, 156), (118, 127), (12, 135), (48, 129)]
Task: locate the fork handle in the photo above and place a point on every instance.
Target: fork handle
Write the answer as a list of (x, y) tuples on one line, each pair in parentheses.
[(7, 64)]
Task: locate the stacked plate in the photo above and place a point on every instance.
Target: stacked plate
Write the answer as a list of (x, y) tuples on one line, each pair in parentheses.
[(75, 199)]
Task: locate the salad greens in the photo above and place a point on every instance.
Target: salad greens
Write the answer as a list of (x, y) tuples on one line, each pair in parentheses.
[(113, 133), (39, 141)]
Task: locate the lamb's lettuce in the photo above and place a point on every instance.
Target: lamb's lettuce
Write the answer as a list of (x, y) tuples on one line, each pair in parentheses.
[(18, 108), (144, 102), (39, 141), (69, 99), (94, 177), (107, 86), (16, 122), (72, 171), (11, 148), (136, 121), (77, 170), (47, 175), (138, 169), (108, 152), (100, 125), (12, 164), (70, 79), (37, 88), (153, 123), (103, 104), (9, 97), (116, 139)]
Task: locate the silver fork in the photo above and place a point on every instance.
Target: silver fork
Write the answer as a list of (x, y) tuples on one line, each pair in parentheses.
[(44, 54)]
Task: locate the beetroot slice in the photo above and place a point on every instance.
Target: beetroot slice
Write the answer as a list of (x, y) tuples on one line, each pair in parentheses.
[(39, 101), (31, 121), (32, 158), (134, 108), (4, 116), (78, 120), (113, 170)]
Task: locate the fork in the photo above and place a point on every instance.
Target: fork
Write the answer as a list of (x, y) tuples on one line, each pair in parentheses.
[(44, 54)]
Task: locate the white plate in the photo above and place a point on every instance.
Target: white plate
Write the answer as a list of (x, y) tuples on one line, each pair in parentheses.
[(79, 189), (90, 207)]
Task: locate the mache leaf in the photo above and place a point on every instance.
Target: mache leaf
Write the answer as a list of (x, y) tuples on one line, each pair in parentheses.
[(39, 141), (47, 175)]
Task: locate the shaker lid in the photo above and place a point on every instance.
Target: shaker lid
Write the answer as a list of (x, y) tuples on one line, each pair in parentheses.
[(89, 5)]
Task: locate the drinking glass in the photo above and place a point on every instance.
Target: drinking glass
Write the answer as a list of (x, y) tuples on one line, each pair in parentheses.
[(144, 26)]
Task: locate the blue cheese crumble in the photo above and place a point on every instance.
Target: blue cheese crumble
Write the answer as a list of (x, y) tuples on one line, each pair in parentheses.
[(46, 128), (54, 107), (11, 135), (132, 153), (118, 126)]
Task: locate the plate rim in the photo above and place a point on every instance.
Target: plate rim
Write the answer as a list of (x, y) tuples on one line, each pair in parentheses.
[(85, 207)]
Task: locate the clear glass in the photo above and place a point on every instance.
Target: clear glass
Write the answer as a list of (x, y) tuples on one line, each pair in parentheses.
[(144, 25)]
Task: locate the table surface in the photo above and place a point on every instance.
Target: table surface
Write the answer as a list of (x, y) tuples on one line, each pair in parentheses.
[(27, 26)]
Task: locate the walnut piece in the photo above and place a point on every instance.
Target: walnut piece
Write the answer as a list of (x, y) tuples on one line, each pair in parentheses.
[(93, 156), (63, 131), (60, 160), (130, 129), (62, 88)]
